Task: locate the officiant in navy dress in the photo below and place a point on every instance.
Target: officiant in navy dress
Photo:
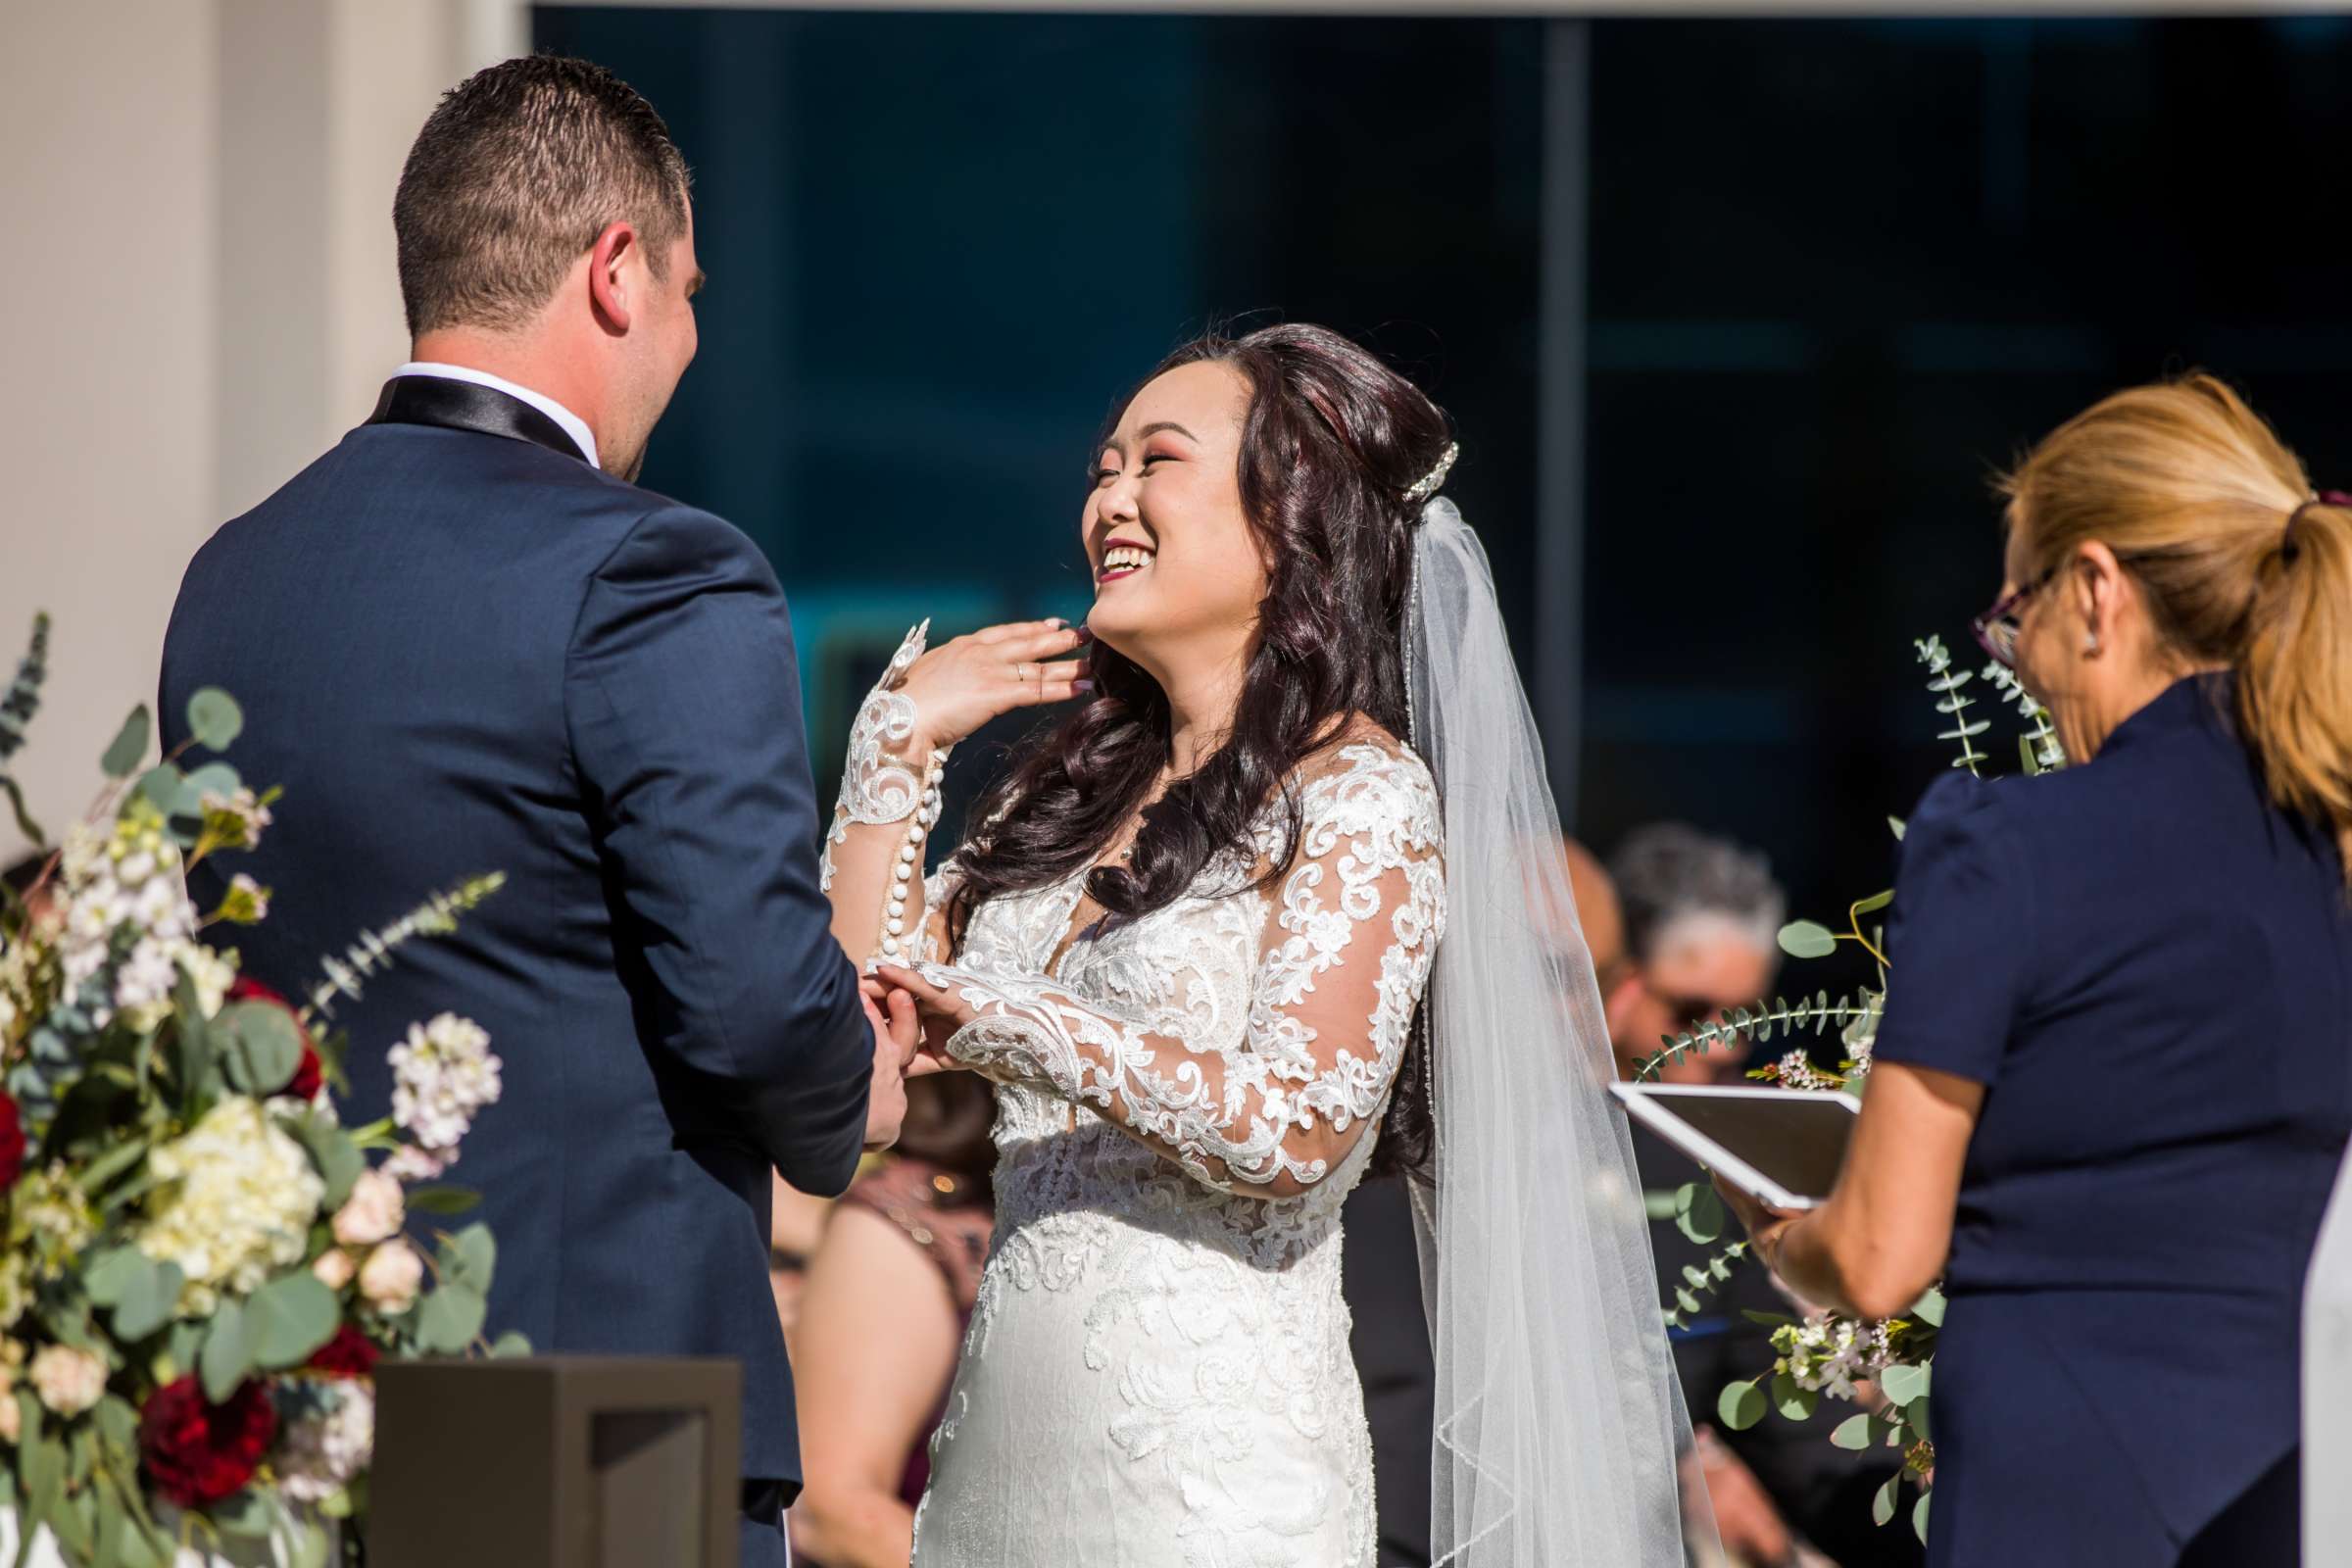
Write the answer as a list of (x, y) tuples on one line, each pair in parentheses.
[(2114, 1078)]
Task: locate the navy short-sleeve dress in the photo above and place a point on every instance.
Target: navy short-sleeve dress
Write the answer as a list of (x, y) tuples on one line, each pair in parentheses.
[(2150, 967)]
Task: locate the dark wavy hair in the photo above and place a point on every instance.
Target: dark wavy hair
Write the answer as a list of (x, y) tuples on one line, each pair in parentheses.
[(1332, 441)]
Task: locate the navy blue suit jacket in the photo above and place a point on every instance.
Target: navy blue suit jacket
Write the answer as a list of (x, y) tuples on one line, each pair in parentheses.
[(463, 651)]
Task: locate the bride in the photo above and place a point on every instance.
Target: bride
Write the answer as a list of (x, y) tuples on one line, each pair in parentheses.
[(1191, 942)]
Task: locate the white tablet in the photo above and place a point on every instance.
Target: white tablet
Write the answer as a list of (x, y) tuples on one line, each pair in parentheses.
[(1782, 1146)]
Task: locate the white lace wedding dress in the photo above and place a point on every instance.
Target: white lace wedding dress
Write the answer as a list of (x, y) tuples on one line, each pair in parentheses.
[(1157, 1371)]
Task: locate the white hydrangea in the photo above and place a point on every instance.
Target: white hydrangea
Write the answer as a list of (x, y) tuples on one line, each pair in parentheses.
[(235, 1204), (442, 1074), (320, 1453)]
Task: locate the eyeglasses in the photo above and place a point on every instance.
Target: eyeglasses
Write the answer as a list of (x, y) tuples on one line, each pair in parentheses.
[(1997, 629)]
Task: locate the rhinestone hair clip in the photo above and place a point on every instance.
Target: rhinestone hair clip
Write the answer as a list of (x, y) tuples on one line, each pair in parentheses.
[(1429, 483)]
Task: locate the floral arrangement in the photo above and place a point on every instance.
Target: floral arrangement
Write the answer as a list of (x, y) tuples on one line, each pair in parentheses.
[(203, 1266), (1885, 1367)]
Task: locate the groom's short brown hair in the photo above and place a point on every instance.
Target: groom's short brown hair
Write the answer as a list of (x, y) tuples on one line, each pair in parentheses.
[(516, 174)]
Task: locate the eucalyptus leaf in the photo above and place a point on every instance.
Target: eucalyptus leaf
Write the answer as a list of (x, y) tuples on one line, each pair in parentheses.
[(450, 1319), (111, 1272), (1741, 1406), (118, 1423), (1854, 1433), (1916, 1412), (159, 787), (228, 1353), (76, 1525), (443, 1200), (510, 1343), (1793, 1401), (130, 744), (266, 1045), (1929, 1309), (215, 719), (289, 1318), (1895, 824), (474, 1255), (1807, 939), (149, 1303), (1875, 903), (1770, 1320), (1701, 1217), (1919, 1517), (1903, 1384), (1686, 1302), (213, 778), (180, 1348), (103, 1170), (247, 1514), (337, 1157)]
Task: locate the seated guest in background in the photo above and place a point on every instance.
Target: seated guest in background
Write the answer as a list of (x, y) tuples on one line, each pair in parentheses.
[(1702, 918), (882, 1314), (2113, 1081), (795, 1223)]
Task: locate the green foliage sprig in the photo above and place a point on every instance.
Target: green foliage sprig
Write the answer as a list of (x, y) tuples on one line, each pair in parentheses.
[(17, 709)]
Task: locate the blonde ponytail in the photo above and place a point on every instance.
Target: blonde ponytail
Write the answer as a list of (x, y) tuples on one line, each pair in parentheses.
[(2241, 563), (2294, 679)]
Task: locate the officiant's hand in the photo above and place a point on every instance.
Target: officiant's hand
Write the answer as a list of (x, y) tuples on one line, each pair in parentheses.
[(1765, 1225), (897, 1035), (960, 685)]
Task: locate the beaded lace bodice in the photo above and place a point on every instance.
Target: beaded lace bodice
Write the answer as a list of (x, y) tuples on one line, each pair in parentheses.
[(1185, 1100)]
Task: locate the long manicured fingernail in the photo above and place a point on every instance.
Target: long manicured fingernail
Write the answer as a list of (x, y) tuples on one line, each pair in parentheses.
[(1057, 622), (1086, 634), (1082, 687)]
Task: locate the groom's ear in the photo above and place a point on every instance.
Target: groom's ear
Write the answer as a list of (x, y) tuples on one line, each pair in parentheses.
[(610, 259)]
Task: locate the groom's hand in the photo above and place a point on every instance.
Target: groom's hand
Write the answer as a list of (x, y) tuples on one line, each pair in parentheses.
[(897, 1034)]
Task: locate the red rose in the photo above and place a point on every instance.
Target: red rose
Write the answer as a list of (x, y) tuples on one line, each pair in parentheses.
[(349, 1355), (12, 1143), (309, 1075), (197, 1454)]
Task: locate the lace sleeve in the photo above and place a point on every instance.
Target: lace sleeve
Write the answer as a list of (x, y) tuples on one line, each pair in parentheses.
[(872, 867), (1341, 965)]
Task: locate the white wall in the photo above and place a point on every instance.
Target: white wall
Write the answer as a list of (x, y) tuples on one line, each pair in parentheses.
[(201, 191)]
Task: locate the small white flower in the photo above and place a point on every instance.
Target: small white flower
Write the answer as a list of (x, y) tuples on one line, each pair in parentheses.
[(410, 1164), (390, 1277), (321, 1454), (442, 1074), (213, 975), (69, 1381), (248, 898)]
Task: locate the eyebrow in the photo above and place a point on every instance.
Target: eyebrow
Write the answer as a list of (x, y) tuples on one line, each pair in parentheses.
[(1114, 444)]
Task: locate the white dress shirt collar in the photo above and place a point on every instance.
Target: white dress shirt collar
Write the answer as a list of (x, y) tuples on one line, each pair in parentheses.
[(573, 425)]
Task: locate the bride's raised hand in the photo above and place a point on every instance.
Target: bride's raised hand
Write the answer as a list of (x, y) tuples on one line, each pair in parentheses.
[(960, 685)]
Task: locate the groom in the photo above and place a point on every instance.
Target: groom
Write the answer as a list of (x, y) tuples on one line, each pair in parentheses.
[(468, 643)]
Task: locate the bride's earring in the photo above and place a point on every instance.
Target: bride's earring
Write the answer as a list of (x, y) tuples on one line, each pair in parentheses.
[(2091, 644)]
